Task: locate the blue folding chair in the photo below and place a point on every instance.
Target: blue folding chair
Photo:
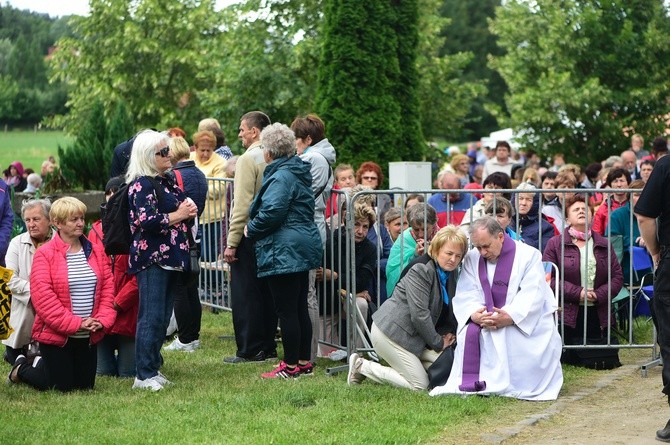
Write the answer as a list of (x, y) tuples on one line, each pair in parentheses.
[(643, 267)]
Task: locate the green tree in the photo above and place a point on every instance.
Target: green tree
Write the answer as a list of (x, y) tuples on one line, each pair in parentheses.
[(267, 60), (468, 32), (25, 39), (406, 87), (151, 54), (85, 163), (358, 79), (9, 90), (120, 128), (446, 95), (583, 75)]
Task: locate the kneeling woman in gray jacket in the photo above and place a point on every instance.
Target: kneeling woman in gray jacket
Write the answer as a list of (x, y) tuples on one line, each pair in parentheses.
[(417, 323), (287, 244)]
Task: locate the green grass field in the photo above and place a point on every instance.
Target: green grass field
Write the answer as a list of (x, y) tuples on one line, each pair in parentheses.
[(213, 403), (29, 147)]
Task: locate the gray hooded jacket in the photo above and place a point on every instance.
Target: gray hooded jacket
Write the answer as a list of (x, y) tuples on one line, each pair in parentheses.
[(321, 157)]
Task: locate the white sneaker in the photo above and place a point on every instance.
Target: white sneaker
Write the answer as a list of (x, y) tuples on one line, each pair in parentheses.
[(161, 379), (355, 377), (176, 345), (150, 383)]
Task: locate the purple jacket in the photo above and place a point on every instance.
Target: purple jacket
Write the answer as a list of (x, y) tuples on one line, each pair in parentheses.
[(573, 278), (6, 220)]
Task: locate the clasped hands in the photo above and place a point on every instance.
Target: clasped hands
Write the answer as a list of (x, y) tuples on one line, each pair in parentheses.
[(589, 295), (91, 324), (496, 319)]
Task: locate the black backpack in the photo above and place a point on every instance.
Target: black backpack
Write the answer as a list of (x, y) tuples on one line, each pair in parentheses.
[(115, 223)]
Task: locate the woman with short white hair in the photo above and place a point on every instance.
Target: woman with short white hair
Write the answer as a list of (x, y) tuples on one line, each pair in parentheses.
[(158, 211), (287, 244), (19, 258)]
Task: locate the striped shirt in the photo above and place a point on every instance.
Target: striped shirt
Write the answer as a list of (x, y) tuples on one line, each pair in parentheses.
[(82, 282)]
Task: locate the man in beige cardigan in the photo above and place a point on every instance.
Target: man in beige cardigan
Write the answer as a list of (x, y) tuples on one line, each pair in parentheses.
[(254, 317)]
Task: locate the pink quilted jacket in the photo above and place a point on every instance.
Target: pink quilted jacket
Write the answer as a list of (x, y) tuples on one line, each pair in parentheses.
[(50, 292)]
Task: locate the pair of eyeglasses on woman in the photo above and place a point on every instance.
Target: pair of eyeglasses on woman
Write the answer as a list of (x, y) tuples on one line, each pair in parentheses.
[(163, 152), (369, 178)]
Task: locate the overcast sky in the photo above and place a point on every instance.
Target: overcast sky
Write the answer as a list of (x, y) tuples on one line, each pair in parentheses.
[(57, 8)]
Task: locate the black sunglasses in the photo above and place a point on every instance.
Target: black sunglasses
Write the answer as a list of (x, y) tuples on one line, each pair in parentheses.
[(163, 152)]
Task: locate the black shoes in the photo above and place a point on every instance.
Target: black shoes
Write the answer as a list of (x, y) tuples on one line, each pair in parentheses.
[(664, 434), (13, 376), (260, 357)]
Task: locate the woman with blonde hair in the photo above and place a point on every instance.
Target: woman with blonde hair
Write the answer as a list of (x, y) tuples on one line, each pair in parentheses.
[(531, 176), (72, 291), (460, 163), (187, 308), (411, 329)]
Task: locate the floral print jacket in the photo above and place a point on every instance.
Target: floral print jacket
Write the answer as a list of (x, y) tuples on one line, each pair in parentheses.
[(154, 240)]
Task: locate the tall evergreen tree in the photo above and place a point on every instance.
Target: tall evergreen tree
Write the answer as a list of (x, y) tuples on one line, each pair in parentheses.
[(83, 163), (359, 80), (406, 29), (121, 127), (469, 32)]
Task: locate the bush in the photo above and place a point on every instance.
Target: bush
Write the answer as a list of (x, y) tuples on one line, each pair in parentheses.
[(86, 163)]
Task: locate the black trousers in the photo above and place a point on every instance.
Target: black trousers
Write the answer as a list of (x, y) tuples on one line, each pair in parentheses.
[(12, 353), (63, 368), (254, 317), (187, 308), (660, 313), (289, 292)]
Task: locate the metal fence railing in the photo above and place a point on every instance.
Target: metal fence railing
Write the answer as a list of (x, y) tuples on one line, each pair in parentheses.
[(342, 326)]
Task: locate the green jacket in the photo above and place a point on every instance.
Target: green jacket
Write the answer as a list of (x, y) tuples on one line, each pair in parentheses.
[(281, 220)]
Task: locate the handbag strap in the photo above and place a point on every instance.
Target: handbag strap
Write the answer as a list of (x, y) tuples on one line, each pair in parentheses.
[(180, 181)]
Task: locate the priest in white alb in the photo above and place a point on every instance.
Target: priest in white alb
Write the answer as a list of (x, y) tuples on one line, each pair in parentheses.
[(508, 343)]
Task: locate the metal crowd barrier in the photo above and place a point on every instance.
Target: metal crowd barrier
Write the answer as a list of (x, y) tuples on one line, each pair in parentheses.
[(214, 280), (340, 329)]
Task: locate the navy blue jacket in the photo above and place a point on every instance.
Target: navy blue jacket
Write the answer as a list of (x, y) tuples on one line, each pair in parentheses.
[(528, 227), (195, 183), (121, 158), (281, 220)]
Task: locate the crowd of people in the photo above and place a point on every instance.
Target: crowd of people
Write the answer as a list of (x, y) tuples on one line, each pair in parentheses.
[(458, 273)]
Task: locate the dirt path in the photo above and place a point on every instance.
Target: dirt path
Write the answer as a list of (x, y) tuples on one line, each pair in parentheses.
[(622, 408)]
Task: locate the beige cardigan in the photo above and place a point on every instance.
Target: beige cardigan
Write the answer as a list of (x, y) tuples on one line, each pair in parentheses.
[(19, 258), (248, 179)]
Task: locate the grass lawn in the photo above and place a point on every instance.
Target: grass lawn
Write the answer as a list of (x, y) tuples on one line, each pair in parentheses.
[(29, 147), (215, 403)]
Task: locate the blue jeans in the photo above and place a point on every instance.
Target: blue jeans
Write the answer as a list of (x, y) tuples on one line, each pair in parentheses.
[(156, 303), (113, 363)]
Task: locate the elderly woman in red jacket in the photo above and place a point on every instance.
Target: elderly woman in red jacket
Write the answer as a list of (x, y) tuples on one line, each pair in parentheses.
[(72, 291), (581, 256)]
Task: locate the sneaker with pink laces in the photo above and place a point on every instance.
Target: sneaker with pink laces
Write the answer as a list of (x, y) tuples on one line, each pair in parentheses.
[(282, 372)]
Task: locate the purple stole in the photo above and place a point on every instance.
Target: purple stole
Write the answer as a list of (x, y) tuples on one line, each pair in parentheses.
[(494, 297)]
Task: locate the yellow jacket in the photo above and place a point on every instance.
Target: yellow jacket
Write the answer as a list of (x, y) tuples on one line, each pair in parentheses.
[(215, 205)]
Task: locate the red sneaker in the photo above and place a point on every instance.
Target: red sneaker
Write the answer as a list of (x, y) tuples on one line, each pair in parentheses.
[(306, 369), (282, 371)]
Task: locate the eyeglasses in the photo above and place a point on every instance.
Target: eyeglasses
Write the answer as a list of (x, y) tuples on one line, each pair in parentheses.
[(369, 178), (163, 152)]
